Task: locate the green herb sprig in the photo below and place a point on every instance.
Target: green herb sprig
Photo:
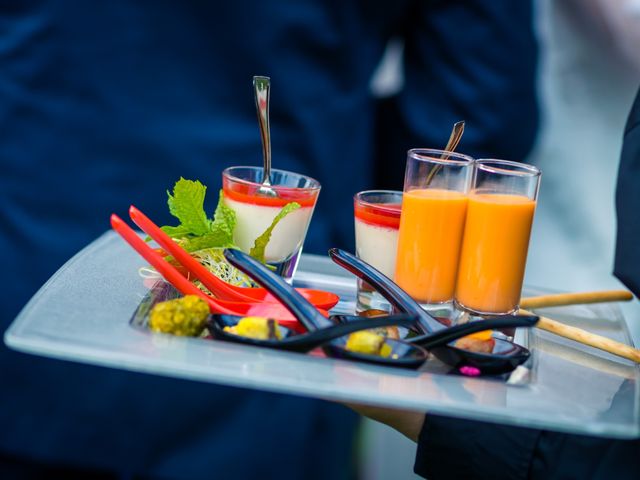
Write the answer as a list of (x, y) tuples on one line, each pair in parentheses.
[(196, 231)]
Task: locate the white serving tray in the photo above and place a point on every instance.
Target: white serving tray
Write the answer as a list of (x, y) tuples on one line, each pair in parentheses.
[(82, 314)]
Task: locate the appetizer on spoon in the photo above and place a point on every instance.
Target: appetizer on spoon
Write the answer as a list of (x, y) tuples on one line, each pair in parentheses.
[(399, 353), (504, 356), (380, 351)]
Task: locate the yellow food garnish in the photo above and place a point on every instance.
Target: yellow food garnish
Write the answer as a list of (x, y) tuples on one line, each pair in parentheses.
[(184, 316), (385, 350), (484, 335), (259, 328), (369, 343)]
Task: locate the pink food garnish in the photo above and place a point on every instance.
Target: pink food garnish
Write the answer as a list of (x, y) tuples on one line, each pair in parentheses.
[(469, 371)]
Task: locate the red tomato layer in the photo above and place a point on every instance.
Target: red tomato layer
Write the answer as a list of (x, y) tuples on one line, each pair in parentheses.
[(380, 215), (245, 193)]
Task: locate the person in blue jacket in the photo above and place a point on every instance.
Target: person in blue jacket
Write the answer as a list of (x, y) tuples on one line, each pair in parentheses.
[(107, 104)]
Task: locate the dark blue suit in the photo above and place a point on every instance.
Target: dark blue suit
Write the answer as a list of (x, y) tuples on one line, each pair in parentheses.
[(104, 104)]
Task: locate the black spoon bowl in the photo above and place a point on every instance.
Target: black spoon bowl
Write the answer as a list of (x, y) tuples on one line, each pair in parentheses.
[(403, 354), (323, 331), (435, 336), (505, 355), (504, 358), (304, 342)]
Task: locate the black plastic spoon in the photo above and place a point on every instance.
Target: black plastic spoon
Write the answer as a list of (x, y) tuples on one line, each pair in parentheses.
[(435, 336), (305, 342), (403, 354), (313, 320)]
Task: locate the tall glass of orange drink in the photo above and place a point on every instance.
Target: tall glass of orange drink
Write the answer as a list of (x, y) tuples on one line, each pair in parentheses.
[(434, 207), (500, 212)]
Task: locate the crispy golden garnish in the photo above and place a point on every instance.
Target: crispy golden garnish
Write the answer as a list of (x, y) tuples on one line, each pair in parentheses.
[(369, 343), (259, 328), (184, 316), (480, 342)]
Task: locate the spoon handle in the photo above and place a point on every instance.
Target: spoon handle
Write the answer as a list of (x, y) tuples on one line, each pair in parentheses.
[(387, 288), (261, 90), (316, 338), (304, 311), (452, 144), (209, 280), (168, 271), (450, 334), (456, 135)]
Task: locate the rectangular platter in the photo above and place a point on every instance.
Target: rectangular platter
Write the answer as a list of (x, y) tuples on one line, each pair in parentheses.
[(83, 314)]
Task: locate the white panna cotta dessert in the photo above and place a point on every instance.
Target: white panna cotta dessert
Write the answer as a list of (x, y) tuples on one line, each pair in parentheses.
[(253, 219), (377, 245), (377, 223), (377, 220), (256, 211)]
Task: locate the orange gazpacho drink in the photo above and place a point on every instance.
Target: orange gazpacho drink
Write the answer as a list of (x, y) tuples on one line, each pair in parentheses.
[(496, 238), (494, 252), (431, 228)]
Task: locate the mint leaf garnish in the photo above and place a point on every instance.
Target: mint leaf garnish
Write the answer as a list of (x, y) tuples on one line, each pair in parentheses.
[(187, 205), (205, 238), (224, 222), (260, 244), (215, 239), (175, 232)]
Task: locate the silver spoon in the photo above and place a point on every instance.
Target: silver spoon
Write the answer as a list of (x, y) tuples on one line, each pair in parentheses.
[(454, 140), (456, 135), (261, 90)]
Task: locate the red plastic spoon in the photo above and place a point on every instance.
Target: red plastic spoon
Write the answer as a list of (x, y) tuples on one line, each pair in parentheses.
[(184, 286), (217, 286)]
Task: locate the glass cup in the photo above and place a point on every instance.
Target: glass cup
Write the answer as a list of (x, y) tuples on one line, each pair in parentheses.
[(434, 207), (377, 219), (255, 213), (496, 237)]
